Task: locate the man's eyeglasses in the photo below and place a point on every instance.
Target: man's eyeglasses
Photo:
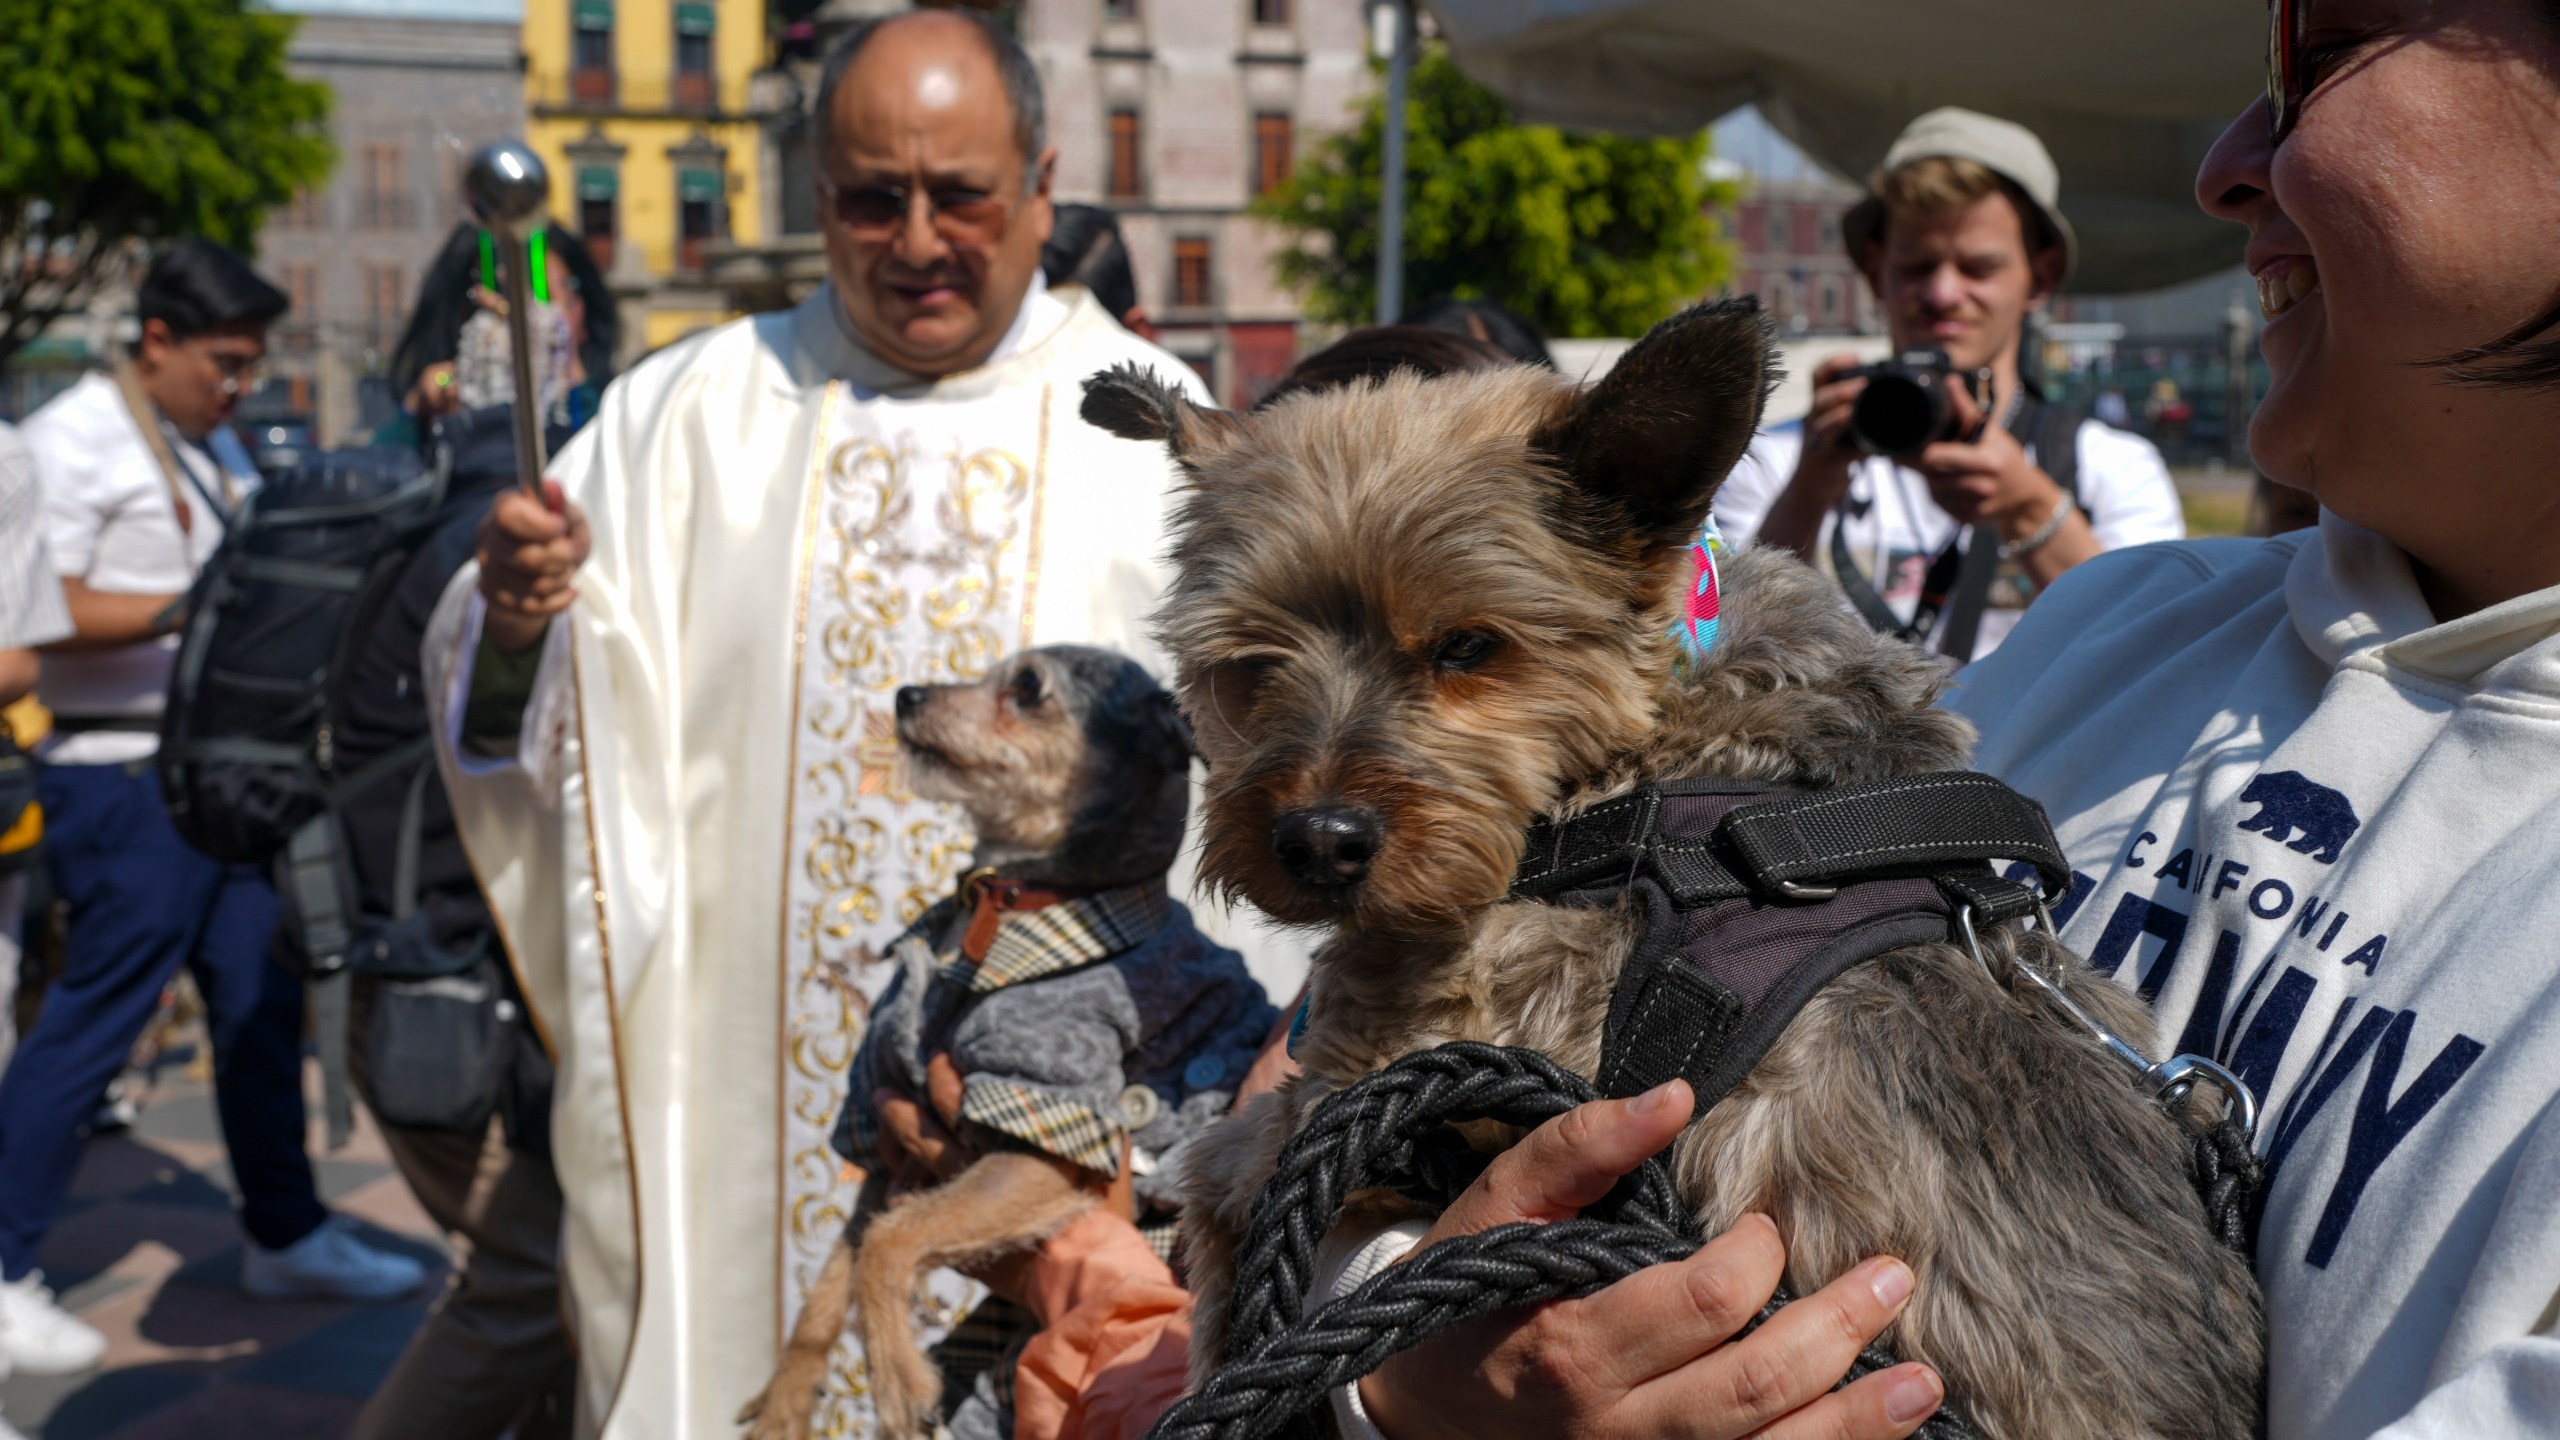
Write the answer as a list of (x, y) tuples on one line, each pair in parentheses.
[(2284, 67), (241, 374), (963, 216)]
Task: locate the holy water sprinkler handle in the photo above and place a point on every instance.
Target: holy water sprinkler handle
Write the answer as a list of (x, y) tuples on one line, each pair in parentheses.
[(507, 185)]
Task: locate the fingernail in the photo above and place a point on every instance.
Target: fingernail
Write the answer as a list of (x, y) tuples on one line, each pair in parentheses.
[(1652, 1101), (1914, 1395), (1892, 1284)]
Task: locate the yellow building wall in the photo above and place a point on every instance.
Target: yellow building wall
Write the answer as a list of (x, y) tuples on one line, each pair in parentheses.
[(643, 122)]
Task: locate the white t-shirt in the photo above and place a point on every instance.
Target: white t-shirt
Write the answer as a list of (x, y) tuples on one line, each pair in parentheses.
[(2322, 831), (109, 523), (32, 611), (1895, 528)]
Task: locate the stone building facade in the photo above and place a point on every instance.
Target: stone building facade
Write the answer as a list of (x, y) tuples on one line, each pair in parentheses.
[(1173, 113), (1786, 235), (414, 98), (1176, 114), (650, 118)]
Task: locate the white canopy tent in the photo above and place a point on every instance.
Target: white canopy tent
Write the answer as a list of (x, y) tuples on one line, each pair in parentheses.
[(2128, 97)]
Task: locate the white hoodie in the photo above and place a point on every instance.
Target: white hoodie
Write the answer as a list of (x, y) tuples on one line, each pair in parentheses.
[(2323, 832)]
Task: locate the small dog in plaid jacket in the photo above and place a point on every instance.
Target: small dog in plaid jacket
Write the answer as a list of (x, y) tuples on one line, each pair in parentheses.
[(1090, 1022)]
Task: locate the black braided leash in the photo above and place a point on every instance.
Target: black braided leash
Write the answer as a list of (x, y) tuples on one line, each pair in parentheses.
[(2222, 1160), (1392, 1128)]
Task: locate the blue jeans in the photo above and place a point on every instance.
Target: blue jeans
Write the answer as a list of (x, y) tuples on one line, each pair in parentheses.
[(142, 904)]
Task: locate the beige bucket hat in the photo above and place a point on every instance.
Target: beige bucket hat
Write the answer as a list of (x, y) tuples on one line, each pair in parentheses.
[(2003, 147)]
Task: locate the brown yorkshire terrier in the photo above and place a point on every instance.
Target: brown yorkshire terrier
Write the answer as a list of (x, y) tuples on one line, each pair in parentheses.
[(1412, 616)]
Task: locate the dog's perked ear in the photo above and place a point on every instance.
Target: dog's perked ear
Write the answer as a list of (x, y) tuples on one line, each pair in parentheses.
[(1658, 433), (1135, 403)]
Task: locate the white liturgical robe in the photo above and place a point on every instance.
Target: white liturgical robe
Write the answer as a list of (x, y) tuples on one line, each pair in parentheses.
[(707, 822)]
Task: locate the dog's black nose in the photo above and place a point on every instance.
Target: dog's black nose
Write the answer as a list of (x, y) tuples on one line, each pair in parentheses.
[(910, 699), (1332, 845)]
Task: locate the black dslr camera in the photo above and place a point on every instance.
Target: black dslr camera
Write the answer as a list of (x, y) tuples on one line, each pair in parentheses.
[(1905, 408)]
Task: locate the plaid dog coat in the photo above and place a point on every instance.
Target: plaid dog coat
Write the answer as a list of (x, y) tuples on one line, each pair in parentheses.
[(1085, 1020)]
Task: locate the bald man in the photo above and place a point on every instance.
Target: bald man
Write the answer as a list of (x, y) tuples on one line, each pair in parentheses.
[(666, 695)]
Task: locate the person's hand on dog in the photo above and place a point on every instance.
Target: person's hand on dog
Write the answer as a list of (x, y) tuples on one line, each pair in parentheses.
[(922, 1148), (1653, 1355), (529, 552), (1824, 462)]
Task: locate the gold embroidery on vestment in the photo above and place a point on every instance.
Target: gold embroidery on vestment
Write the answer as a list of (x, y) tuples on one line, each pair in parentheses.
[(915, 571)]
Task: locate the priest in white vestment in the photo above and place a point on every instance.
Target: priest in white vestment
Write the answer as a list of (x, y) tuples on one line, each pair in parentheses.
[(703, 822)]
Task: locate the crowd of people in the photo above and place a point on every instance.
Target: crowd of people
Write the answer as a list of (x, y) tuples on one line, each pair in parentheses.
[(630, 723)]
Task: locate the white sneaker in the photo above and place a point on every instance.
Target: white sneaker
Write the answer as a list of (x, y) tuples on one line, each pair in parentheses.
[(330, 1263), (7, 1430), (43, 1338)]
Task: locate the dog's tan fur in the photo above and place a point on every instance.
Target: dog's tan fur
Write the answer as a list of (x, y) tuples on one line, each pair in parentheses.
[(1003, 1204), (2068, 1286)]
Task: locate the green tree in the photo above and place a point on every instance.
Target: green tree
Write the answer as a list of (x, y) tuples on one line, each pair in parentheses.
[(127, 121), (1585, 234)]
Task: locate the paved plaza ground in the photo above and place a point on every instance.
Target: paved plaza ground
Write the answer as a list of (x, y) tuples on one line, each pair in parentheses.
[(149, 1252)]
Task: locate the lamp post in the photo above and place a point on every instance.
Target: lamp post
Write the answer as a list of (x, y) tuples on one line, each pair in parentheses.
[(1396, 18)]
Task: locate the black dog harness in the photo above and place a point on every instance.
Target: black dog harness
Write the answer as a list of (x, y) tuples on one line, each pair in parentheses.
[(1749, 899)]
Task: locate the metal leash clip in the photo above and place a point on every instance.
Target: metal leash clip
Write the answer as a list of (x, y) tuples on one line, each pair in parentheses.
[(2170, 1081)]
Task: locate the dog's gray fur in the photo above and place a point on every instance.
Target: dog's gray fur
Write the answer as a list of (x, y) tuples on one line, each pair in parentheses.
[(2068, 1285)]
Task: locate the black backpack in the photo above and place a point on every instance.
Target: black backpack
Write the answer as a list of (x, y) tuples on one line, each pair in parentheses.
[(245, 761), (249, 774)]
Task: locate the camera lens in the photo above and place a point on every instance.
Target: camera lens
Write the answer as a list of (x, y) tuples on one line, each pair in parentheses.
[(1904, 407), (1897, 414)]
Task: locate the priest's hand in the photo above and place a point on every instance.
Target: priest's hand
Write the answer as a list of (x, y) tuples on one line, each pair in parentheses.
[(529, 552)]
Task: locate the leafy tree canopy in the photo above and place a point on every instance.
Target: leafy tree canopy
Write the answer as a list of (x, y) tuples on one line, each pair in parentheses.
[(1586, 234), (128, 121)]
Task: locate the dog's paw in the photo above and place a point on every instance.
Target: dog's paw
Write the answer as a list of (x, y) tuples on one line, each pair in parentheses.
[(772, 1417), (906, 1395)]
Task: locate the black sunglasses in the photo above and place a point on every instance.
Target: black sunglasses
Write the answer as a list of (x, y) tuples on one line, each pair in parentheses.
[(971, 217), (2284, 67)]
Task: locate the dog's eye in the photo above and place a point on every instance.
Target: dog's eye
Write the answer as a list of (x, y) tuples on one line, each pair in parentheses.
[(1026, 689), (1463, 650)]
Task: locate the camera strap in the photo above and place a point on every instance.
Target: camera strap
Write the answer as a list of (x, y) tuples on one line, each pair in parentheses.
[(1957, 584)]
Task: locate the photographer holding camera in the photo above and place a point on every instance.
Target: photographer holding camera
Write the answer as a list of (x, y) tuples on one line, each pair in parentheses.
[(1938, 488)]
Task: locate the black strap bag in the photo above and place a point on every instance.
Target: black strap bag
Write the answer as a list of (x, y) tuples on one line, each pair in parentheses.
[(1959, 580)]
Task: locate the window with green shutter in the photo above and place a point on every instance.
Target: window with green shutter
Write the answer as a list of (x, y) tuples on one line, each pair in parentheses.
[(591, 51), (694, 87), (698, 214)]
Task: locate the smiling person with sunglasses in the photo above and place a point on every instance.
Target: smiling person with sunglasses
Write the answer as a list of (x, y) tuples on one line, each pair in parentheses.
[(2312, 784)]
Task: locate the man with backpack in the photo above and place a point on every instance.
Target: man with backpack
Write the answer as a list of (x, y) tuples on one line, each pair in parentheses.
[(1946, 540), (134, 505)]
